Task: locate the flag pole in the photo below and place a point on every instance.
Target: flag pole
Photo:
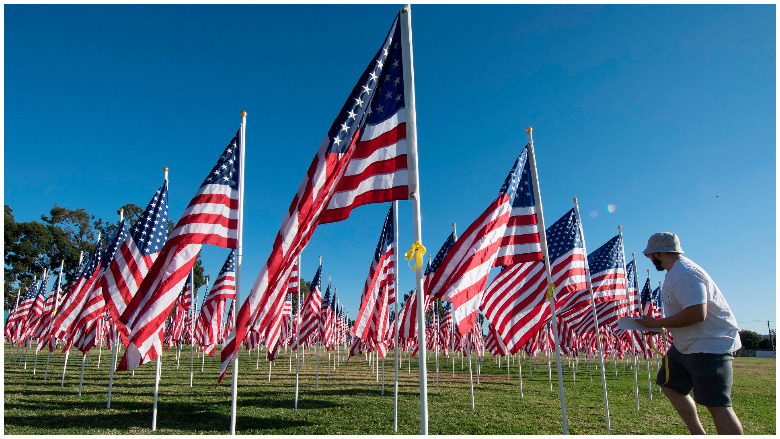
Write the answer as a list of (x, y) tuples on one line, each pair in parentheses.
[(633, 337), (239, 254), (595, 316), (67, 353), (395, 320), (414, 194), (53, 314), (192, 322), (546, 257), (298, 332), (158, 367)]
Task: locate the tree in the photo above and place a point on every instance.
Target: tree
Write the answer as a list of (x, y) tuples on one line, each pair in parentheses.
[(750, 339), (766, 344)]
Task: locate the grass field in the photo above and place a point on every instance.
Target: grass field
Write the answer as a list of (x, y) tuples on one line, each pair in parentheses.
[(349, 400)]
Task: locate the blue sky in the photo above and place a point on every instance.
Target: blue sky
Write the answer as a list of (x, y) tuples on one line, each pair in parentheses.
[(666, 113)]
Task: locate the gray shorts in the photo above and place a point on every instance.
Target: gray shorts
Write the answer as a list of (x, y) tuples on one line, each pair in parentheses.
[(710, 376)]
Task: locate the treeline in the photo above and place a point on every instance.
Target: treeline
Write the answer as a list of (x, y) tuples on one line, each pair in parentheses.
[(30, 247)]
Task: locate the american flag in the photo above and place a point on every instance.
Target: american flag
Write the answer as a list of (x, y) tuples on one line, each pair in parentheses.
[(432, 267), (212, 312), (631, 289), (183, 304), (64, 323), (647, 299), (658, 306), (493, 343), (326, 318), (135, 257), (94, 307), (310, 312), (23, 311), (407, 326), (445, 327), (44, 325), (210, 218), (608, 271), (363, 159), (381, 276), (515, 301), (464, 272), (36, 311)]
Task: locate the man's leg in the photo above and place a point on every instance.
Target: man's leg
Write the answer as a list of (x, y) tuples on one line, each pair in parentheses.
[(726, 421), (686, 408)]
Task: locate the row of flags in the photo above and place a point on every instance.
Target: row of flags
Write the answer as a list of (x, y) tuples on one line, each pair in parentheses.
[(129, 289)]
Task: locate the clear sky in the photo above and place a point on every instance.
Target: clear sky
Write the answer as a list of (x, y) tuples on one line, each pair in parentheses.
[(658, 118)]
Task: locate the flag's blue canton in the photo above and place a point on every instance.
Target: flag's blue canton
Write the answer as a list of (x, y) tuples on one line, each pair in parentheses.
[(288, 298), (151, 230), (646, 295), (225, 172), (113, 245), (44, 283), (332, 300), (317, 281), (383, 75), (441, 254), (387, 236), (326, 299), (657, 298), (230, 264), (392, 316), (564, 236), (524, 197), (630, 276), (608, 256)]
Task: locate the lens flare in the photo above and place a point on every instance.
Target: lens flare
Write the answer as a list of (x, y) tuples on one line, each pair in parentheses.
[(611, 208), (594, 214)]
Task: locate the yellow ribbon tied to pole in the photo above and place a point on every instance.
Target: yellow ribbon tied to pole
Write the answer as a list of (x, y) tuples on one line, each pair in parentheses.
[(551, 291), (665, 358), (417, 251)]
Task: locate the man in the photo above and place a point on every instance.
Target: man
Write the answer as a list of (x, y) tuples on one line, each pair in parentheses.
[(705, 335)]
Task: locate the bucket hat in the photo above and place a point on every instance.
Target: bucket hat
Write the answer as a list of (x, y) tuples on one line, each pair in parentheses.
[(663, 242)]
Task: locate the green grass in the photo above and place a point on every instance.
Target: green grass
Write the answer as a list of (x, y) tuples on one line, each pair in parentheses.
[(349, 400)]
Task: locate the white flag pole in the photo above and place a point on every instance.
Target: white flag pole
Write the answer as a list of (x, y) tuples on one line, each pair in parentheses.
[(595, 316), (192, 322), (67, 353), (546, 257), (158, 367), (395, 321), (297, 333), (414, 194), (239, 254)]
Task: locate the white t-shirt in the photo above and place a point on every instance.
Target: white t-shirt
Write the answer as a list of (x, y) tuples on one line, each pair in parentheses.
[(687, 284)]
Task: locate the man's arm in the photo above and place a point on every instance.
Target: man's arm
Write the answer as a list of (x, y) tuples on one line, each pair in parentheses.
[(687, 317)]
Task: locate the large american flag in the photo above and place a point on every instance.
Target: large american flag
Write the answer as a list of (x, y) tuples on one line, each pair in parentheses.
[(363, 159), (310, 312), (136, 255), (515, 301), (381, 275), (64, 323), (608, 271), (464, 272), (210, 218)]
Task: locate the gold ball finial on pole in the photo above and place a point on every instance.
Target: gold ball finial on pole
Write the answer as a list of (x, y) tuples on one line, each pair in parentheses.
[(575, 199), (243, 114), (620, 227), (529, 130), (165, 169)]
